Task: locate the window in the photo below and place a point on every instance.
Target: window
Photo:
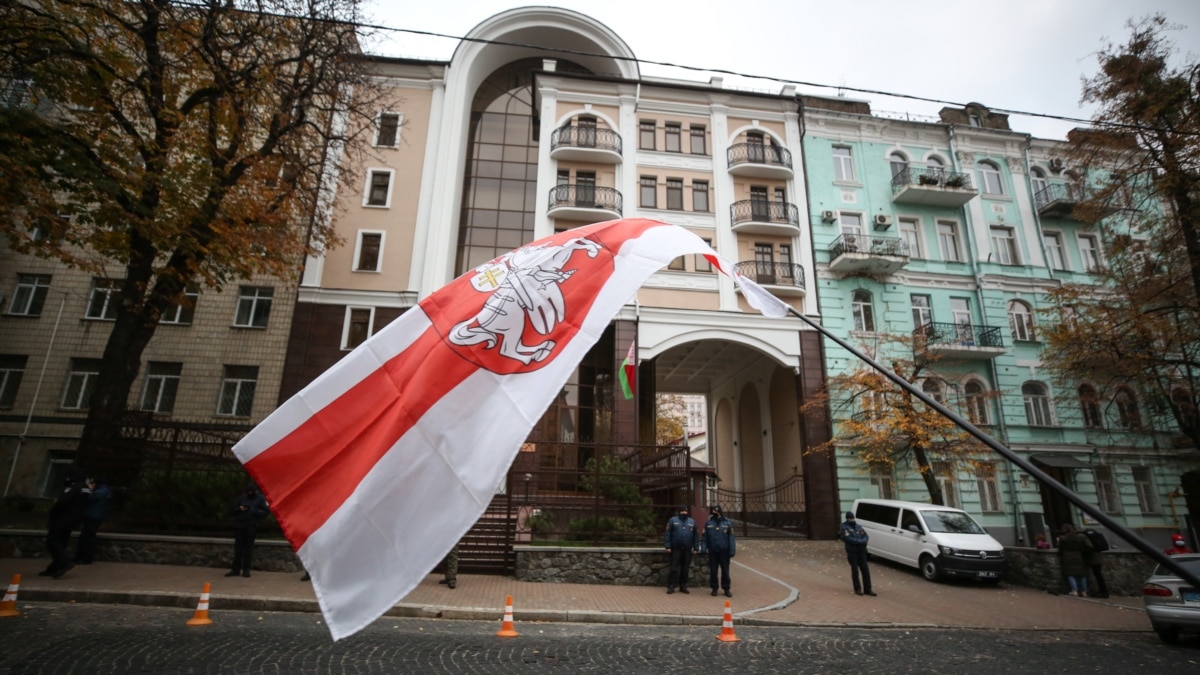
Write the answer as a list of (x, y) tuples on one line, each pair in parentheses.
[(1037, 183), (1054, 250), (162, 382), (764, 263), (989, 488), (59, 465), (989, 178), (12, 369), (944, 473), (883, 477), (843, 164), (646, 134), (1089, 253), (102, 303), (851, 226), (254, 306), (1147, 493), (237, 391), (785, 263), (379, 188), (1020, 320), (678, 264), (933, 389), (1037, 404), (1004, 246), (960, 313), (874, 401), (29, 295), (910, 237), (586, 125), (974, 120), (864, 317), (366, 254), (1184, 407), (700, 196), (1107, 497), (358, 327), (673, 141), (585, 188), (675, 194), (388, 133), (649, 192), (702, 263), (976, 400), (754, 147), (182, 312), (81, 378), (1089, 407), (699, 146), (948, 241), (899, 163), (1127, 409), (921, 312)]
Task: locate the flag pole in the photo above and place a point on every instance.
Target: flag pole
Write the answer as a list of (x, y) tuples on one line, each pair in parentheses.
[(1126, 534)]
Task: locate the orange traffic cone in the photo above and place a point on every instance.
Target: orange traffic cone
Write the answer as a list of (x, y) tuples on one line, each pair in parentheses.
[(8, 606), (506, 629), (727, 627), (200, 618)]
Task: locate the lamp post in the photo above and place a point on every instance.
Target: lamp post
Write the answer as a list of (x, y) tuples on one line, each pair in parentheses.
[(528, 477)]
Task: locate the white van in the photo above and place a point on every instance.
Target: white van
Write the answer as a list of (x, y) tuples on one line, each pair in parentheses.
[(938, 540)]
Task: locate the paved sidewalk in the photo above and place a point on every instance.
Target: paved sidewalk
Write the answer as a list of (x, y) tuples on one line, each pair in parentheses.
[(803, 583)]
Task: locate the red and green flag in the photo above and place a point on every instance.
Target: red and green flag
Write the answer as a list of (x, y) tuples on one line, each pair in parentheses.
[(628, 372)]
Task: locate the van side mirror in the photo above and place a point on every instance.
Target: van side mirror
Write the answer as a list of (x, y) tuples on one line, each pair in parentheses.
[(913, 527)]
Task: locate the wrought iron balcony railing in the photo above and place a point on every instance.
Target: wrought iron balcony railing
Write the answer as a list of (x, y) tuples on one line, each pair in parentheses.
[(1072, 193), (772, 273), (586, 137), (963, 335), (764, 211), (758, 153), (869, 245), (930, 176), (585, 197)]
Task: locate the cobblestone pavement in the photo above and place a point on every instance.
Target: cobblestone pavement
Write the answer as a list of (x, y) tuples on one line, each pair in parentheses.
[(64, 639)]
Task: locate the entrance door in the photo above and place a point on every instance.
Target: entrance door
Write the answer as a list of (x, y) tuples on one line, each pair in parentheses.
[(961, 310), (1055, 507)]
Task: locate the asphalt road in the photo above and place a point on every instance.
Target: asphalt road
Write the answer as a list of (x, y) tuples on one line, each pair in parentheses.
[(66, 638)]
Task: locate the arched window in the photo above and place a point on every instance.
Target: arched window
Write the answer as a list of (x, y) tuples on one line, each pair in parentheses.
[(976, 402), (1020, 320), (1127, 409), (933, 389), (1089, 406), (899, 163), (1037, 404), (990, 179), (1185, 409), (864, 315)]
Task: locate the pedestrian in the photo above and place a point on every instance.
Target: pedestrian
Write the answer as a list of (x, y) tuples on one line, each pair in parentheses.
[(1096, 561), (1074, 549), (682, 540), (1042, 544), (1178, 545), (855, 539), (65, 515), (94, 513), (450, 568), (246, 512), (718, 542)]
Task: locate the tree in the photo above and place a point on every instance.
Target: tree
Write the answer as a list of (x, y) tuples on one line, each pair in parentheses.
[(885, 425), (1137, 324), (670, 419), (184, 143)]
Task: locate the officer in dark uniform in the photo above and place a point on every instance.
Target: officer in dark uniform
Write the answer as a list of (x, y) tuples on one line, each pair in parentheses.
[(250, 508), (719, 543), (682, 540), (65, 516)]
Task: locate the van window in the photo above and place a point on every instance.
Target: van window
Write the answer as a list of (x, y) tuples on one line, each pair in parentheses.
[(953, 522), (877, 513), (909, 518)]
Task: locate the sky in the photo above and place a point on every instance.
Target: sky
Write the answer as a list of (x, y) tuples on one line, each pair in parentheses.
[(1018, 55)]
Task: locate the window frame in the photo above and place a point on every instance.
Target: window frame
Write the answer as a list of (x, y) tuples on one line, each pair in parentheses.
[(843, 164), (954, 253), (987, 480), (702, 263), (251, 303), (925, 311), (647, 135), (674, 187), (990, 176), (910, 233), (883, 478), (1039, 407), (395, 130), (648, 192), (1089, 406), (240, 402), (1147, 490), (103, 299), (673, 136), (698, 132), (1108, 496), (1021, 322), (862, 310), (701, 193), (360, 249), (1004, 244), (1089, 255), (165, 385), (184, 313), (1129, 414), (975, 401), (946, 475), (369, 190), (82, 374), (1056, 252), (348, 326), (12, 372), (898, 163), (31, 289)]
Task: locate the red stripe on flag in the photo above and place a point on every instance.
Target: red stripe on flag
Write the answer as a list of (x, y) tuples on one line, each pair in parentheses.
[(310, 473)]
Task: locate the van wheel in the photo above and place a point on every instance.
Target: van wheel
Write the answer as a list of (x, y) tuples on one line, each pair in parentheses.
[(1167, 634), (929, 568)]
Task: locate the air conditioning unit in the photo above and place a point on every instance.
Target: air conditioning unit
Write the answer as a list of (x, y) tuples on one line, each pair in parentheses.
[(1056, 164), (882, 221), (828, 217)]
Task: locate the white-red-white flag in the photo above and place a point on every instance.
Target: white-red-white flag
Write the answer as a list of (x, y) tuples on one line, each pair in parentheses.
[(380, 465)]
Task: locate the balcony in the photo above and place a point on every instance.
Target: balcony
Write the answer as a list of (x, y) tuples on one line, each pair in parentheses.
[(584, 202), (760, 216), (932, 186), (585, 144), (866, 254), (1058, 200), (782, 279), (759, 160), (961, 341)]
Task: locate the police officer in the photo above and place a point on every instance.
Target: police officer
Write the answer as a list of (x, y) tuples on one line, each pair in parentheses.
[(246, 512), (719, 543), (682, 540), (855, 538)]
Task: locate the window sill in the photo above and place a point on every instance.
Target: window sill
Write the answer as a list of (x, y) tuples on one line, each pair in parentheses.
[(98, 318), (377, 206), (847, 183), (248, 327)]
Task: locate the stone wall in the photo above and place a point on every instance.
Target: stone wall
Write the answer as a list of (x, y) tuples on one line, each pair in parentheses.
[(605, 566), (270, 555), (1124, 571)]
